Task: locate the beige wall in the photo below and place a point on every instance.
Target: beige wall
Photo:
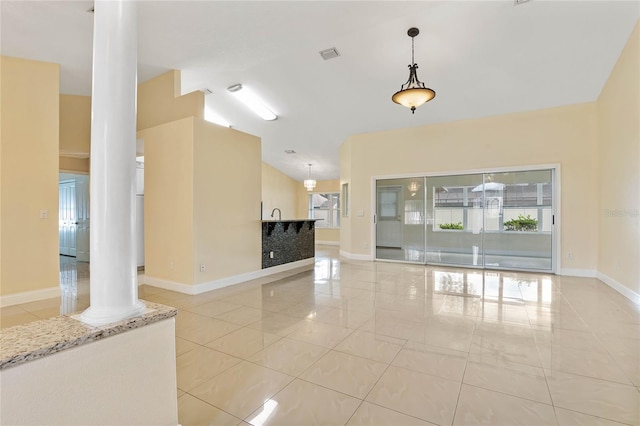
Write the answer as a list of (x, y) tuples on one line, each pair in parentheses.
[(227, 192), (202, 189), (281, 191), (29, 168), (619, 161), (168, 201), (75, 125), (72, 164), (322, 235), (564, 135), (202, 202), (159, 101)]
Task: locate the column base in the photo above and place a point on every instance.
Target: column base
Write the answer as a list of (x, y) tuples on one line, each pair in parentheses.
[(101, 316)]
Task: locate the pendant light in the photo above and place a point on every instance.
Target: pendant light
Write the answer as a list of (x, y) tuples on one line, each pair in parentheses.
[(309, 183), (413, 93)]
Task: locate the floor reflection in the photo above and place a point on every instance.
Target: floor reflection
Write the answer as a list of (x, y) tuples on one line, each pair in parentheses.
[(394, 343)]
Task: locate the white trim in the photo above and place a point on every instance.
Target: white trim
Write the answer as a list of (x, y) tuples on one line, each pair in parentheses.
[(74, 154), (328, 243), (353, 256), (583, 273), (195, 289), (620, 288), (166, 284), (29, 296)]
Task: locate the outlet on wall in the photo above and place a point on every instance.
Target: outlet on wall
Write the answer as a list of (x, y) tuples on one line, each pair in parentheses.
[(570, 255), (270, 255), (203, 267)]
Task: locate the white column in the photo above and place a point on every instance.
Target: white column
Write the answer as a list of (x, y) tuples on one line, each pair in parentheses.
[(113, 271)]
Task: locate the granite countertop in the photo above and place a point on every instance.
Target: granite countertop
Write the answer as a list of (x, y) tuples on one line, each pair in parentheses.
[(38, 339), (290, 220)]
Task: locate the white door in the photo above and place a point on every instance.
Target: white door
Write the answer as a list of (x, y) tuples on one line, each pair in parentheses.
[(82, 218), (389, 217), (67, 217)]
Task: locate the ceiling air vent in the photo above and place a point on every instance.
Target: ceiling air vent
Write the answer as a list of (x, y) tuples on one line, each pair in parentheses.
[(289, 151), (329, 53), (517, 2), (206, 91)]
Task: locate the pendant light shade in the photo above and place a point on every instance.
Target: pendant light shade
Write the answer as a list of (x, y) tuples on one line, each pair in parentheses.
[(413, 93), (309, 183)]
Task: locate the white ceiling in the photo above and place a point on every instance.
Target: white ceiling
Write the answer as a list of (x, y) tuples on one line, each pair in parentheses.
[(483, 58)]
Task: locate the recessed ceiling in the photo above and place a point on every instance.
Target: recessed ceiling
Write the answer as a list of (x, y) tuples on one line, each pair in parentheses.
[(483, 58)]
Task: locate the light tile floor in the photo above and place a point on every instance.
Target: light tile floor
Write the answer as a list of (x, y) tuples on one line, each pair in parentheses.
[(363, 343)]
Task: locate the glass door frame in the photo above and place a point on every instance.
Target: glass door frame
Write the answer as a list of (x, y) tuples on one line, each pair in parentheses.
[(556, 251)]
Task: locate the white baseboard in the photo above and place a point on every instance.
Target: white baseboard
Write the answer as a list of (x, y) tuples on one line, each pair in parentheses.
[(29, 296), (620, 288), (328, 243), (356, 256), (584, 273), (166, 284), (194, 289)]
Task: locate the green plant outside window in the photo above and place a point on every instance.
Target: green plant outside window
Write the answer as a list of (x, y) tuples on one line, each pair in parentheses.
[(522, 223), (451, 225)]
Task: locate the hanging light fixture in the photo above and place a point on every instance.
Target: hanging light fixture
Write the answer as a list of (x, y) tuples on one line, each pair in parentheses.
[(309, 183), (413, 93), (413, 186)]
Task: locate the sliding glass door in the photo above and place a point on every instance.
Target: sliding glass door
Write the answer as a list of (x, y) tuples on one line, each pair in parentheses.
[(454, 227), (487, 220), (518, 221)]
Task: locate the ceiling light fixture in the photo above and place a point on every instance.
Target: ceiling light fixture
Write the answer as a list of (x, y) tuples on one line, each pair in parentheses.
[(309, 183), (247, 97), (413, 186), (413, 93)]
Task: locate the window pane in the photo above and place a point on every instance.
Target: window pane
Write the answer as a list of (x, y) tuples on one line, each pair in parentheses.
[(326, 208)]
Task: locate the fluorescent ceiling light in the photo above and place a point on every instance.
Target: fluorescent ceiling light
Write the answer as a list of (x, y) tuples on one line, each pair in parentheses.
[(213, 117), (248, 98)]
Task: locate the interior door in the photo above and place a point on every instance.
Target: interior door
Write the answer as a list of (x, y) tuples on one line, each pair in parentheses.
[(389, 217), (67, 217), (82, 218)]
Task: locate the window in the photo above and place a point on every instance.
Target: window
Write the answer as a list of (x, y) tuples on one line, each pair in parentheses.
[(325, 207), (345, 200)]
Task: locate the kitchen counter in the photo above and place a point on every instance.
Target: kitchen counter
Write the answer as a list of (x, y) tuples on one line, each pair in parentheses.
[(27, 342), (288, 240)]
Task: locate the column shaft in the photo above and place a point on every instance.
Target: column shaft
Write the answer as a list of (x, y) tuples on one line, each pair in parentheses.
[(113, 270)]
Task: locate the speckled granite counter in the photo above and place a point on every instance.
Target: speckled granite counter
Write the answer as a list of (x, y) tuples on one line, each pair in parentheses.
[(286, 241), (38, 339)]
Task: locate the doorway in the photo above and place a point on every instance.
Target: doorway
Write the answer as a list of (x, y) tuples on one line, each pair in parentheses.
[(73, 216), (493, 220)]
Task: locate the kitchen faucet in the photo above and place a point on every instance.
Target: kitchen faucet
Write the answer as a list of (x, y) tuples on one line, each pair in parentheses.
[(279, 213)]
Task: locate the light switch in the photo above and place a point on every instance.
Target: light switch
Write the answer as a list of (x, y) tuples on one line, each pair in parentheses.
[(44, 214), (360, 213)]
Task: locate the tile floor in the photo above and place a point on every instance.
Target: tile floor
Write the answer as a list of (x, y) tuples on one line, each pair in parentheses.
[(363, 343)]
